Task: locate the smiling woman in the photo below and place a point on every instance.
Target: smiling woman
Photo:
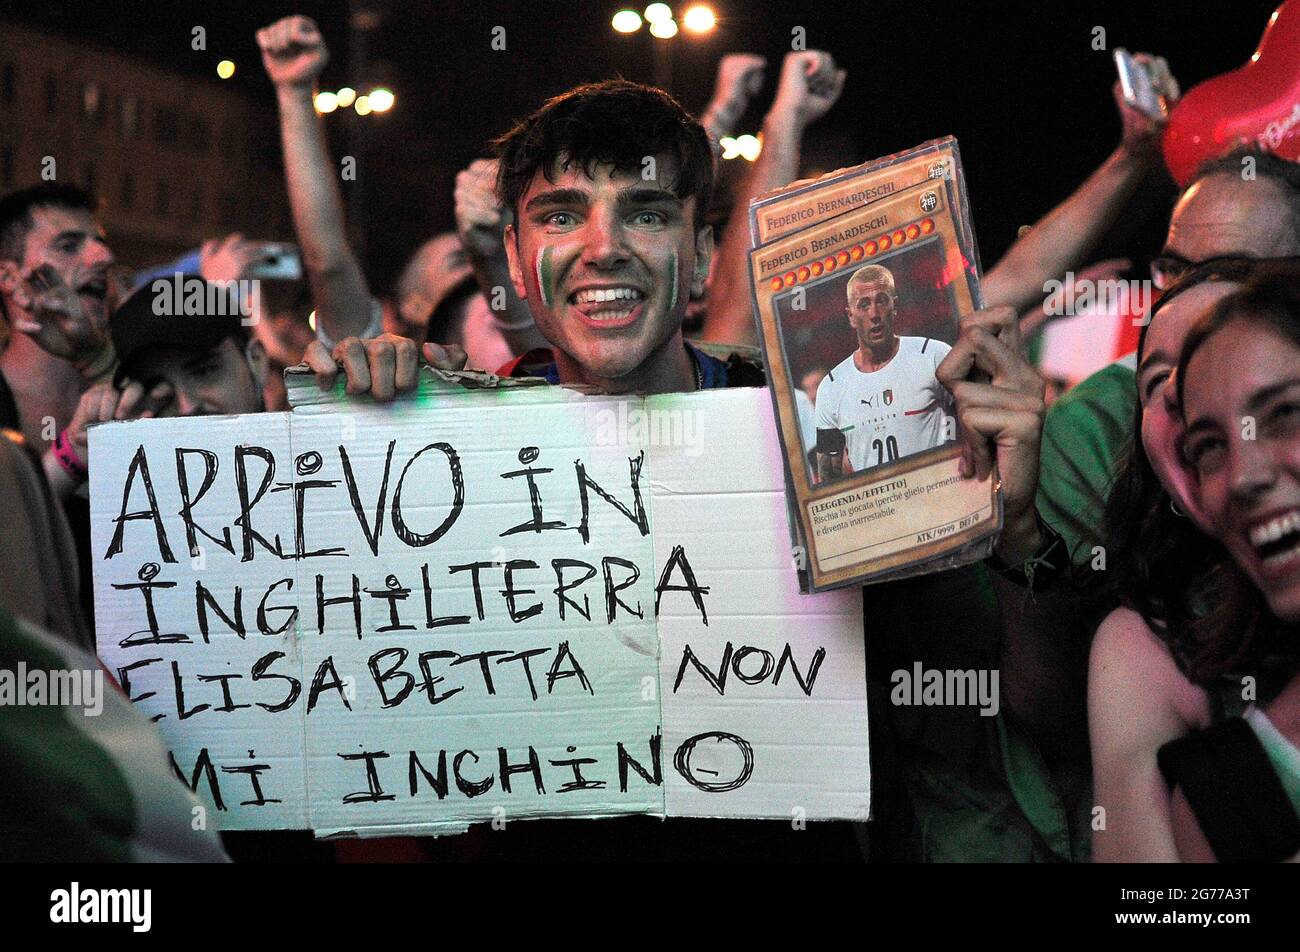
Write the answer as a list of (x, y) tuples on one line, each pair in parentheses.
[(1194, 704), (1239, 387)]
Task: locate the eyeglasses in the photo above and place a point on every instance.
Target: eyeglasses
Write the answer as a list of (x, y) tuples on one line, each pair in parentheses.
[(1168, 268)]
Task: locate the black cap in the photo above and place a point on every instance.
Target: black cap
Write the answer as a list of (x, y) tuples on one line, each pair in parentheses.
[(181, 311)]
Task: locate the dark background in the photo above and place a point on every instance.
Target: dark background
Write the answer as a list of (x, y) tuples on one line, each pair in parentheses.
[(1019, 85)]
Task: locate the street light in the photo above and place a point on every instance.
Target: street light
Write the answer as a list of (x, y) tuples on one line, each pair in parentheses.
[(664, 29), (626, 21), (326, 102), (699, 19), (225, 69), (381, 100)]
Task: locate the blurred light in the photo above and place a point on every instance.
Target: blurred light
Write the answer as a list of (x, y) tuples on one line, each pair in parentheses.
[(362, 105), (658, 12), (664, 29), (381, 100), (346, 97), (699, 19), (311, 320), (741, 147), (748, 146), (626, 21), (225, 69), (326, 102)]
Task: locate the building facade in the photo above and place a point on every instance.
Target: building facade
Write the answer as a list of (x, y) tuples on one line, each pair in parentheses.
[(174, 159)]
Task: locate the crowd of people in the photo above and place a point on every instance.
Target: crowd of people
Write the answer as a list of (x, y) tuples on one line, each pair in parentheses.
[(1143, 602)]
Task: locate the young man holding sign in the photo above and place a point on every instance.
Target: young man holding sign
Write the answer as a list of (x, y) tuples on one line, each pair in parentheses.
[(609, 184)]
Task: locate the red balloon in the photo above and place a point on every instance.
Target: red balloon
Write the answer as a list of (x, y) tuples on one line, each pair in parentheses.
[(1257, 103)]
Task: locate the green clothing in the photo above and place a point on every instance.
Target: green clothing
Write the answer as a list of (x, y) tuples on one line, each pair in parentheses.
[(89, 783), (1085, 436), (976, 787), (1282, 754)]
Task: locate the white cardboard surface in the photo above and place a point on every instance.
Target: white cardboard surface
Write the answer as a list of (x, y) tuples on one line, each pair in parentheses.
[(710, 483)]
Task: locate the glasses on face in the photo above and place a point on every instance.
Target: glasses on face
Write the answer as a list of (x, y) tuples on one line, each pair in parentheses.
[(1168, 268)]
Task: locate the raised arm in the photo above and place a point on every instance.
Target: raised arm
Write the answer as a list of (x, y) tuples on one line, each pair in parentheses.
[(1063, 238), (294, 54), (740, 77), (480, 223), (809, 86)]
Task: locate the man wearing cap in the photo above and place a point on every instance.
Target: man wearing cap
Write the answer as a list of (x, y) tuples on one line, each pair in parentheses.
[(171, 364)]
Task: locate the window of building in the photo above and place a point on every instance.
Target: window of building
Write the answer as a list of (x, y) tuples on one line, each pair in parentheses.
[(200, 134), (128, 190), (166, 125), (51, 93), (6, 167), (90, 101), (196, 206), (163, 199), (128, 117), (88, 177), (8, 84)]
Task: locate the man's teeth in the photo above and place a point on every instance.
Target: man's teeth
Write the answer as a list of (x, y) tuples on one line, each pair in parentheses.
[(1275, 528), (602, 295)]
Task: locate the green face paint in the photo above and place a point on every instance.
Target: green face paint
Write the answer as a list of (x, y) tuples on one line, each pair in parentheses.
[(545, 270), (672, 280)]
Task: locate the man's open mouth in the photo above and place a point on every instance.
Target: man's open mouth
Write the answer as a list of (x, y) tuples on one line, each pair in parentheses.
[(607, 304), (96, 289)]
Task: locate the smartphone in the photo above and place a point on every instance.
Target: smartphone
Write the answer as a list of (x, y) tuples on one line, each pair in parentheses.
[(1145, 85), (277, 261)]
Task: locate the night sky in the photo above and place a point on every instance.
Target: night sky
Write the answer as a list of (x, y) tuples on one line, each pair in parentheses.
[(1021, 88)]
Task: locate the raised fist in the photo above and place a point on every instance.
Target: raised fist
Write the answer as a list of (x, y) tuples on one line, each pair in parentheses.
[(480, 220), (809, 86), (293, 51)]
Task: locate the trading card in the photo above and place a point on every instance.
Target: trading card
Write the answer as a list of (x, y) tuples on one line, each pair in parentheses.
[(855, 315), (806, 203)]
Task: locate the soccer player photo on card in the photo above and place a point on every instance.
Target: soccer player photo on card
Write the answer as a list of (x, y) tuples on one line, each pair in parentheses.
[(882, 402)]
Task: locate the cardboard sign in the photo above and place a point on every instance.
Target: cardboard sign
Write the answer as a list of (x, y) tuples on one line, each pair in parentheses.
[(469, 605)]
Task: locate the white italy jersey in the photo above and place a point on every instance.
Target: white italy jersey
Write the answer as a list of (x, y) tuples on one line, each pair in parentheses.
[(891, 413)]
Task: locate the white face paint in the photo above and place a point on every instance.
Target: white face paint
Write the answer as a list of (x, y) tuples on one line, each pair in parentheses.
[(544, 271), (673, 279)]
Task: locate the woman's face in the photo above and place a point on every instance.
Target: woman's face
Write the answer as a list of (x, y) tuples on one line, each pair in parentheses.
[(1162, 426), (1241, 404)]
